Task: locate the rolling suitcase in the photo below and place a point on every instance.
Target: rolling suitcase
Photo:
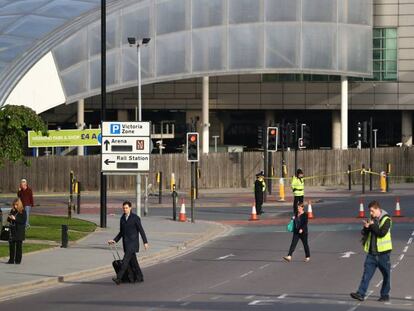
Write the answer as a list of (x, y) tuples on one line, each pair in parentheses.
[(129, 276)]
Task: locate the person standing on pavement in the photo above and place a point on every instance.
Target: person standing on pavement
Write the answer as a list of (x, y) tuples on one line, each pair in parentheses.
[(300, 231), (130, 230), (378, 246), (25, 194), (259, 190), (17, 220), (298, 189)]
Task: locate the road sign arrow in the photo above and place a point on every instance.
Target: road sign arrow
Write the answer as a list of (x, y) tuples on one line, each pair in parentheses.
[(107, 161), (107, 143), (347, 254)]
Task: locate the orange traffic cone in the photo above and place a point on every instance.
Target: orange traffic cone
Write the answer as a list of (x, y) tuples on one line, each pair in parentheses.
[(397, 212), (182, 217), (361, 213), (253, 216), (310, 213)]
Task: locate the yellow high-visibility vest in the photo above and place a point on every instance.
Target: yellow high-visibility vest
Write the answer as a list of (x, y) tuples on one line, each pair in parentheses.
[(299, 185), (383, 244)]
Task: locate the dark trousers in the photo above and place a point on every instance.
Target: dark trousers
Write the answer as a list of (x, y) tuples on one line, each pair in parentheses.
[(295, 239), (259, 204), (296, 200), (15, 250), (130, 258), (372, 262)]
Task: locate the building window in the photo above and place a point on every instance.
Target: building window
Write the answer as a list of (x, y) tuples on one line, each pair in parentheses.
[(385, 55)]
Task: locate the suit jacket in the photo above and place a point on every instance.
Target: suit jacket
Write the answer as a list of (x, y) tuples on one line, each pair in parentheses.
[(301, 222), (129, 232), (18, 226)]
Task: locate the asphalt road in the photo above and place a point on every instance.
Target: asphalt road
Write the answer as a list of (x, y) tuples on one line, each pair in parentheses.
[(244, 271)]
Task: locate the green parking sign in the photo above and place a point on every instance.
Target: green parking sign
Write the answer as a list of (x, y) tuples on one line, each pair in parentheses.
[(65, 138)]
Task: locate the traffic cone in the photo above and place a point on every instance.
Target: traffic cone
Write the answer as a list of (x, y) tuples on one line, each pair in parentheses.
[(253, 216), (182, 217), (397, 212), (361, 213), (310, 213)]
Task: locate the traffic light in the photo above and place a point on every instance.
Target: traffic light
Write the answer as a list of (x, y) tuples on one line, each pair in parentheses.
[(260, 136), (290, 135), (359, 131), (272, 133), (305, 135), (192, 147)]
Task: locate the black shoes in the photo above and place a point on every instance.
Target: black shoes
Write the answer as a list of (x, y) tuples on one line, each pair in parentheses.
[(384, 299), (10, 262), (357, 296), (116, 281)]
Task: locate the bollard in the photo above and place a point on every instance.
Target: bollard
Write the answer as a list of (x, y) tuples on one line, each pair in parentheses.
[(172, 183), (1, 219), (363, 178), (281, 190), (349, 178), (65, 237), (388, 172), (383, 182), (78, 199), (159, 179), (174, 198)]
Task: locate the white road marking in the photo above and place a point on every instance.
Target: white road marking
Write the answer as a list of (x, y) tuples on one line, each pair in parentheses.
[(410, 240), (394, 265), (408, 297), (347, 254), (379, 283), (183, 298), (359, 303), (283, 296), (412, 234), (224, 257), (249, 297), (401, 257), (215, 298), (246, 274), (185, 303), (264, 266), (219, 284), (405, 249), (261, 302)]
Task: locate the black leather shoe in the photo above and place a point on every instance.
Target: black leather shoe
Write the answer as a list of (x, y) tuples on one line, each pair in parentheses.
[(384, 299), (116, 281), (357, 296), (10, 262), (140, 280)]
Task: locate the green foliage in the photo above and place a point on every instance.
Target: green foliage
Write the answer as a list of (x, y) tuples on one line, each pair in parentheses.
[(27, 248), (15, 121)]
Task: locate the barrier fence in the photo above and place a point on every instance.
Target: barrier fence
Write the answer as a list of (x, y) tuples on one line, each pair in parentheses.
[(216, 170)]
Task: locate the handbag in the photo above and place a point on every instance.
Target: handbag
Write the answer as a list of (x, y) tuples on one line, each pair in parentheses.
[(5, 233), (290, 226)]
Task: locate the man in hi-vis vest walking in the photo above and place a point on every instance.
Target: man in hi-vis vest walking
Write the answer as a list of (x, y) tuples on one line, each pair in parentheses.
[(378, 246), (298, 188)]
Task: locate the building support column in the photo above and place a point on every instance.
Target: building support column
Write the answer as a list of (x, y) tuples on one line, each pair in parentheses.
[(122, 115), (407, 128), (269, 118), (344, 113), (205, 113), (336, 129), (80, 123)]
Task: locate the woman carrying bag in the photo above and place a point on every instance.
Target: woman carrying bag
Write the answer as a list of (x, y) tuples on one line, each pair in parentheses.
[(17, 219), (300, 231)]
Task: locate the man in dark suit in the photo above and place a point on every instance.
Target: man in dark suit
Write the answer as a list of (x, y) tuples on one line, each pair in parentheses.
[(130, 229)]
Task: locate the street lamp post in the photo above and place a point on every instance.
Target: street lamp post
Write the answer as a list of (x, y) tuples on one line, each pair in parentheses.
[(138, 110)]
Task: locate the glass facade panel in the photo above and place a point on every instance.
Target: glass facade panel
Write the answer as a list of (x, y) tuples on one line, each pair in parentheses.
[(243, 53), (286, 55), (171, 16), (355, 12), (207, 13), (319, 10), (135, 23), (282, 10), (172, 54), (209, 50), (245, 11), (33, 27)]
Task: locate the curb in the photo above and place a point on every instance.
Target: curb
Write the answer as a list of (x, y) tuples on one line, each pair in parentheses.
[(31, 287)]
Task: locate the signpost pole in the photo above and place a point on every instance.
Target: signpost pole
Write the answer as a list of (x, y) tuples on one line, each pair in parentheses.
[(139, 119)]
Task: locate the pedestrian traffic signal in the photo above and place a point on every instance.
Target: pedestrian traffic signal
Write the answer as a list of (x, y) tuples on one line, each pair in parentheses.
[(359, 131), (272, 134), (260, 136), (192, 147), (305, 135)]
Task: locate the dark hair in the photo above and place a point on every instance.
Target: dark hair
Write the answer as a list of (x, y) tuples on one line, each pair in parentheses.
[(301, 204), (127, 203), (299, 171), (374, 204)]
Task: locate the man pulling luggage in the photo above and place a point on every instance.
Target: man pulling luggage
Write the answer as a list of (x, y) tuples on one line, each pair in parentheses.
[(130, 230)]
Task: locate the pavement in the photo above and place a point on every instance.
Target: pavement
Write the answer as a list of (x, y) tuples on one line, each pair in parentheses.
[(91, 256)]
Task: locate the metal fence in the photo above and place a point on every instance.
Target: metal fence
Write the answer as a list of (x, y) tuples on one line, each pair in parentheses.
[(217, 170)]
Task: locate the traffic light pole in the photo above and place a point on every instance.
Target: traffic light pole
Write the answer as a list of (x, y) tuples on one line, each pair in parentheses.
[(192, 192), (370, 153), (265, 162), (296, 145), (282, 143)]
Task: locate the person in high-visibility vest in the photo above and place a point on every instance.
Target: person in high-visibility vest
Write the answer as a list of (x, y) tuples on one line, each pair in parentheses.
[(298, 189), (259, 190), (378, 246)]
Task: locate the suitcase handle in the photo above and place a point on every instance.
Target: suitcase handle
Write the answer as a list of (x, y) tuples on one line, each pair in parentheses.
[(112, 247)]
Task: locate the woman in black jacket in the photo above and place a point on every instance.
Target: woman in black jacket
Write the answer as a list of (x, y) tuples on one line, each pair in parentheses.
[(17, 219), (300, 231)]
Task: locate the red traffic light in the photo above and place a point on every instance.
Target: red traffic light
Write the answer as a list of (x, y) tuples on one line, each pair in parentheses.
[(193, 138), (272, 132)]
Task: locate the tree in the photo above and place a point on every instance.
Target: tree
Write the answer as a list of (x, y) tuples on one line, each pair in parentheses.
[(15, 121)]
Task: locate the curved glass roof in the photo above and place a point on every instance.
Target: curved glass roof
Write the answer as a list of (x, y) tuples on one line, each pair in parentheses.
[(23, 23)]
